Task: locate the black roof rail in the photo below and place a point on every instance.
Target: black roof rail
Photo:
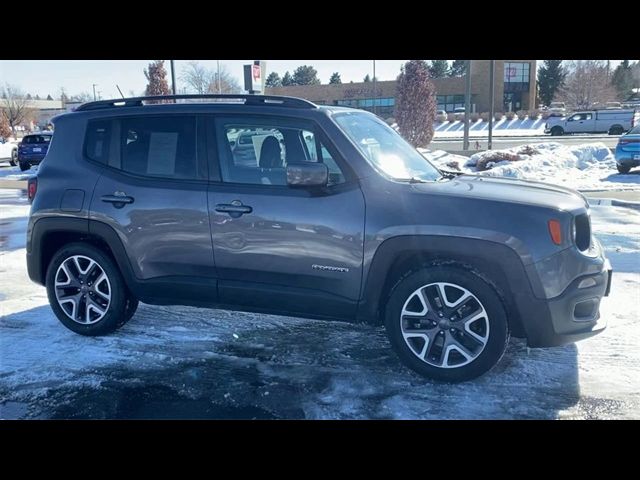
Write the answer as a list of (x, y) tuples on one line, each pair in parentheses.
[(292, 102)]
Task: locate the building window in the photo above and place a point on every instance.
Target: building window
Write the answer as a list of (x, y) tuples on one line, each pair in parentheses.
[(449, 103), (516, 77)]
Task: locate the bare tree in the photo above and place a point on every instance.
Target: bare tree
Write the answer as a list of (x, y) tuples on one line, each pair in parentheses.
[(196, 77), (587, 83), (16, 106), (200, 79)]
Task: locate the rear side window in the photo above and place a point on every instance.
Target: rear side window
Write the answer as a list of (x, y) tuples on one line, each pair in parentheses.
[(147, 146), (98, 139)]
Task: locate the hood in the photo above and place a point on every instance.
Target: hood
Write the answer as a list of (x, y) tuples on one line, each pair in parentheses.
[(509, 190)]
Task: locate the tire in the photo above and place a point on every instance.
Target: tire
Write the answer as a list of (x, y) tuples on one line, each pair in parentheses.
[(14, 158), (110, 296), (480, 328), (623, 169), (25, 166), (557, 131), (129, 310), (616, 130)]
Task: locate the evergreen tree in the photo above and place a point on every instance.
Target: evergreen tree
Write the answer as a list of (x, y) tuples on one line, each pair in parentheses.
[(49, 97), (458, 68), (415, 108), (438, 68), (305, 75), (551, 77), (622, 79), (367, 79), (157, 78), (287, 80), (273, 80), (335, 78)]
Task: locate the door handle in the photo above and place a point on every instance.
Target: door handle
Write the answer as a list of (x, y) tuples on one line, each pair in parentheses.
[(234, 209), (117, 200)]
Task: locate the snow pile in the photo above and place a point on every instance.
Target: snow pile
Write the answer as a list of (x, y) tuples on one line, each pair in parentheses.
[(14, 173), (584, 167)]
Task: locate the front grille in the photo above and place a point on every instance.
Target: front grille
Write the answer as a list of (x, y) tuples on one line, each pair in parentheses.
[(583, 232)]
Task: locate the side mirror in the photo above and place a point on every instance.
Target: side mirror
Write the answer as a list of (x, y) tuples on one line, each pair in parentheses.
[(307, 174)]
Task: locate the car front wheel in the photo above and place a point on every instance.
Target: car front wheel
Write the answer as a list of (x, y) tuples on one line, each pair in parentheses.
[(86, 291), (446, 323)]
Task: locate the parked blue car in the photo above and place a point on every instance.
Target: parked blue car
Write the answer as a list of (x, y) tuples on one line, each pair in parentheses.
[(628, 150), (33, 149)]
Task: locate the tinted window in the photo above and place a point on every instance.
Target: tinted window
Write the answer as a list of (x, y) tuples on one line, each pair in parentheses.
[(258, 153), (97, 140), (160, 147), (31, 139)]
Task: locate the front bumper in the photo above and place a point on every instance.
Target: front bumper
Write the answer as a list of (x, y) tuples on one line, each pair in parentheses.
[(572, 315)]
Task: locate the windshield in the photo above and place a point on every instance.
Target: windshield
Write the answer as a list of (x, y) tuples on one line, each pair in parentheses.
[(385, 149)]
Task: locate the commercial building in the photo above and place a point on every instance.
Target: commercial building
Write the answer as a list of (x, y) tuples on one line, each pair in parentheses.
[(515, 89)]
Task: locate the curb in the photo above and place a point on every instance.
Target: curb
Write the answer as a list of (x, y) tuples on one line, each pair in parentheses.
[(613, 203)]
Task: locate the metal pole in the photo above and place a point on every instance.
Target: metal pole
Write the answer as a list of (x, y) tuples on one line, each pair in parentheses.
[(173, 78), (492, 74), (374, 87), (219, 87), (467, 105), (94, 91)]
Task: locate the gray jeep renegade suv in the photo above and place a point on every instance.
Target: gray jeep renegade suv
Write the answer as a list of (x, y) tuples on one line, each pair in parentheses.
[(320, 212)]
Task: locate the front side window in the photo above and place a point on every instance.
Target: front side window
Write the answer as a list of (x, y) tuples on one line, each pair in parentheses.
[(385, 149), (259, 152)]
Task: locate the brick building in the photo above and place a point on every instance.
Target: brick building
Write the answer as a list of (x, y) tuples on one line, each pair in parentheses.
[(515, 89)]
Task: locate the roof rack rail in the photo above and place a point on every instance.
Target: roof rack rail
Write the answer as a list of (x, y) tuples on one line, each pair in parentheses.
[(248, 100)]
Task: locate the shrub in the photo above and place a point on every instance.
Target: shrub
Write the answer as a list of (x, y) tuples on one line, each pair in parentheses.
[(451, 117), (460, 117), (546, 114), (533, 115), (475, 117), (527, 150), (495, 157), (441, 118), (510, 115), (497, 116), (484, 116), (522, 114)]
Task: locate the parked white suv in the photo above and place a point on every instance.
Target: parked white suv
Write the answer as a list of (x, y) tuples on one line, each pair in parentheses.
[(613, 122), (8, 151)]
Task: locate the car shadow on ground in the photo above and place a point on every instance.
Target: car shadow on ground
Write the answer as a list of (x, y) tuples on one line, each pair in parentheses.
[(182, 362)]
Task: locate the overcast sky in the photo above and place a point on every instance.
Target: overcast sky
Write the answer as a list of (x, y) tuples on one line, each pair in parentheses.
[(44, 77)]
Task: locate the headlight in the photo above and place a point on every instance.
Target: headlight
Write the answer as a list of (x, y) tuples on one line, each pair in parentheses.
[(573, 231)]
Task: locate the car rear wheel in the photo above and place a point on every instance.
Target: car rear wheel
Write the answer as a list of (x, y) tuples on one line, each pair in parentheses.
[(86, 291), (14, 158), (446, 323), (623, 168), (616, 130), (25, 166)]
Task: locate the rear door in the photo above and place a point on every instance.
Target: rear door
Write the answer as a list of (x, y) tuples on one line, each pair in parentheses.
[(276, 247), (153, 193)]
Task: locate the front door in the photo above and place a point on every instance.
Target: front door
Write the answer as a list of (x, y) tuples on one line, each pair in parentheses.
[(277, 247), (153, 193)]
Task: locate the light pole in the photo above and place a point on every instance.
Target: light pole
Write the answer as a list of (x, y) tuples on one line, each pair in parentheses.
[(219, 86), (94, 91), (375, 93), (173, 77), (467, 105), (492, 74)]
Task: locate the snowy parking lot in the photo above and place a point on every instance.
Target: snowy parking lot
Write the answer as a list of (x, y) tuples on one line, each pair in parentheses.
[(181, 362)]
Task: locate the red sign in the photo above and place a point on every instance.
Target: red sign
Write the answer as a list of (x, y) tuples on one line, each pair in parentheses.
[(256, 72)]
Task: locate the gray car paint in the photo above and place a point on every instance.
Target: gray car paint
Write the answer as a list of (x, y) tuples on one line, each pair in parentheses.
[(172, 228)]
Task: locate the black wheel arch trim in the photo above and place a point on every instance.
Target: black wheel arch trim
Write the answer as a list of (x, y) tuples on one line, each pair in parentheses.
[(499, 263)]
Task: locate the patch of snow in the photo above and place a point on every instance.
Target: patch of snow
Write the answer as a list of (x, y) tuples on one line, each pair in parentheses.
[(585, 167), (14, 173)]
